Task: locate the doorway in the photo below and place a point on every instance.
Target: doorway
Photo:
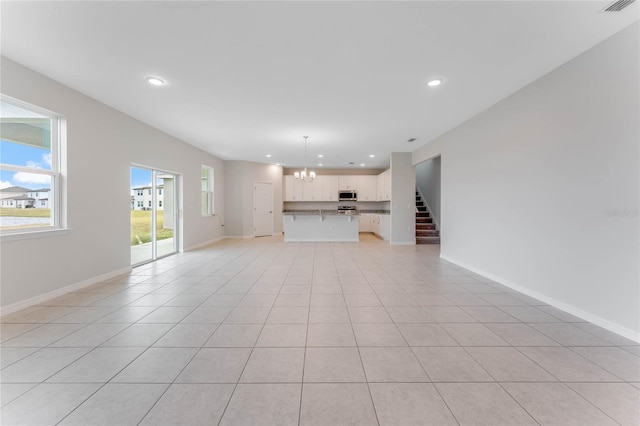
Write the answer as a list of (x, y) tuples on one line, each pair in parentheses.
[(154, 207), (428, 211), (262, 209)]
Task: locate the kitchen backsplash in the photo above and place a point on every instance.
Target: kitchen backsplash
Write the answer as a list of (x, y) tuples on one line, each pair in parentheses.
[(333, 205)]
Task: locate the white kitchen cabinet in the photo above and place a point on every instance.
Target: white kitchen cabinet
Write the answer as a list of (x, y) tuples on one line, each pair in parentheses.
[(330, 187), (288, 188), (380, 225), (367, 187), (348, 182), (312, 190), (365, 223), (384, 186), (374, 224), (385, 226)]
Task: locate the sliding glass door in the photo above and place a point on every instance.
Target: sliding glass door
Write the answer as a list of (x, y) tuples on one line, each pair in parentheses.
[(154, 210)]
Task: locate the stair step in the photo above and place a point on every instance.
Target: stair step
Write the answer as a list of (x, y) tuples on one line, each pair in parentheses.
[(427, 240), (421, 208), (422, 225), (427, 233), (422, 214), (424, 220), (419, 203)]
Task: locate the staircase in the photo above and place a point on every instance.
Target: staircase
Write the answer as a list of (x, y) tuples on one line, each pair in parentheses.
[(426, 232)]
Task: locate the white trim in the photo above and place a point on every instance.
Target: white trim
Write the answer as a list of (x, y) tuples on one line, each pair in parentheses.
[(319, 240), (204, 244), (604, 323), (14, 307), (403, 243), (246, 237), (27, 235)]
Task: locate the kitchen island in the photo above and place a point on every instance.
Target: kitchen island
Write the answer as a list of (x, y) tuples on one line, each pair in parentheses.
[(320, 226)]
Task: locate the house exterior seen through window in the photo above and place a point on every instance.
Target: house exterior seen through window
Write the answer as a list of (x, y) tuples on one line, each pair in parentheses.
[(30, 168), (206, 184)]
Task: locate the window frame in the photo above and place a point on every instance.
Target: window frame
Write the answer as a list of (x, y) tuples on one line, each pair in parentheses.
[(57, 173), (207, 209)]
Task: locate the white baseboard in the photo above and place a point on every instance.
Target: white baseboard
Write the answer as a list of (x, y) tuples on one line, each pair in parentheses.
[(14, 307), (242, 237), (403, 243), (204, 244), (602, 322)]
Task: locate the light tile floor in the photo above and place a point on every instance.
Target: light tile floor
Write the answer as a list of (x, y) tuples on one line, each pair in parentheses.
[(262, 332)]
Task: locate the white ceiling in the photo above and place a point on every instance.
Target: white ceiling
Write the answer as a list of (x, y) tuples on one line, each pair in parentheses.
[(246, 79)]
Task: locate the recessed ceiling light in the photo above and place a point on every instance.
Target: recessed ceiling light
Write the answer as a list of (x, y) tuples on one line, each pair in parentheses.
[(320, 155), (319, 164), (268, 155), (435, 82), (371, 156), (155, 81), (278, 164), (361, 164)]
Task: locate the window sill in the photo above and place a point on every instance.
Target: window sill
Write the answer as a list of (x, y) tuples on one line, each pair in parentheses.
[(27, 235)]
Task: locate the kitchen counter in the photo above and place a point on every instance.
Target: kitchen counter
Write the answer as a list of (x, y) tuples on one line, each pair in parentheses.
[(318, 212), (320, 226)]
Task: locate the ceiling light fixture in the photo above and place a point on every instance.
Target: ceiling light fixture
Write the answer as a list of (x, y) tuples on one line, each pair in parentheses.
[(268, 155), (435, 82), (320, 155), (155, 81), (304, 175), (371, 156), (361, 164)]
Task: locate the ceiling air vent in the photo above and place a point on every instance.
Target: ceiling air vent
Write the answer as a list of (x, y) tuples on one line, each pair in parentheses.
[(617, 6)]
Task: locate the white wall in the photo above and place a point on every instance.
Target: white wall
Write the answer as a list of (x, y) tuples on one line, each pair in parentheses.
[(240, 177), (102, 143), (428, 181), (527, 186), (403, 199)]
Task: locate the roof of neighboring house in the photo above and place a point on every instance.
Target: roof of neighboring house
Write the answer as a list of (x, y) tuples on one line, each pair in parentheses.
[(20, 198), (15, 189), (146, 187), (40, 190)]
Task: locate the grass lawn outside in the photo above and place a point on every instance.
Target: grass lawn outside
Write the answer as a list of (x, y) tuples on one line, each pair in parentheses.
[(141, 227), (13, 212)]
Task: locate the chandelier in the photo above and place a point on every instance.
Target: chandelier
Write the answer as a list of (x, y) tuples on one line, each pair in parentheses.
[(304, 175)]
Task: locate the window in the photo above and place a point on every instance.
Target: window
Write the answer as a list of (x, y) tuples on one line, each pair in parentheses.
[(149, 192), (206, 185), (31, 143), (149, 203), (159, 203), (140, 192), (140, 204), (159, 191)]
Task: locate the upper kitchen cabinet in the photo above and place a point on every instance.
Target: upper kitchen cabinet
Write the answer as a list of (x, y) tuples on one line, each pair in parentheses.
[(384, 186), (367, 187), (330, 187), (312, 190), (293, 189), (348, 182)]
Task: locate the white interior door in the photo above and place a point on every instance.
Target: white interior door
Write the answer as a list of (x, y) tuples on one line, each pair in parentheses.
[(262, 209)]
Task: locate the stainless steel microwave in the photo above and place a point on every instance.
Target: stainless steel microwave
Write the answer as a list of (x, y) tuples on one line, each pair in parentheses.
[(347, 196)]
